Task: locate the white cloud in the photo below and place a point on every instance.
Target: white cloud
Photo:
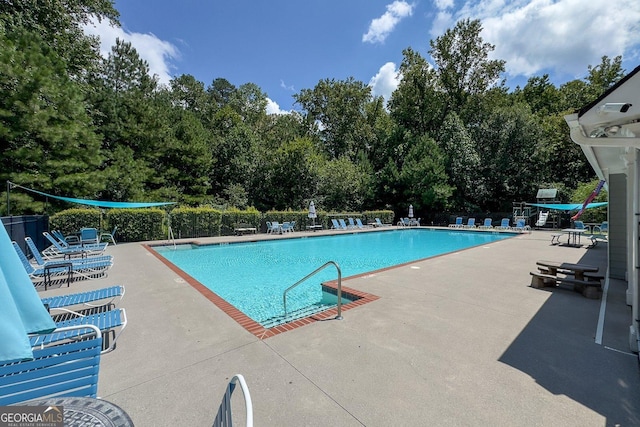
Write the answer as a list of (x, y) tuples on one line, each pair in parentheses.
[(284, 86), (385, 82), (274, 108), (380, 28), (560, 37), (158, 53), (443, 4)]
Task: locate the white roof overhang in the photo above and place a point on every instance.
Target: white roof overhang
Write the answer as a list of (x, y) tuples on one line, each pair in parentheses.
[(608, 129)]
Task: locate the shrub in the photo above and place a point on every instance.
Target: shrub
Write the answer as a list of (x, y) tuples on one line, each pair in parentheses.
[(70, 221), (136, 225)]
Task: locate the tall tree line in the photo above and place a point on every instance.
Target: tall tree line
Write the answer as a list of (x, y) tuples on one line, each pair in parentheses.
[(452, 137)]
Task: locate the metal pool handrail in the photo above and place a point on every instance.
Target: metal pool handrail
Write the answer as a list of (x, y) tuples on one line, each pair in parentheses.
[(317, 270)]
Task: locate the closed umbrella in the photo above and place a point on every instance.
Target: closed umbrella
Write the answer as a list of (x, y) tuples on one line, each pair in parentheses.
[(410, 211), (312, 212), (21, 309)]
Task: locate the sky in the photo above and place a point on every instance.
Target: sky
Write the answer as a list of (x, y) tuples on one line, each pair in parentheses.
[(285, 46)]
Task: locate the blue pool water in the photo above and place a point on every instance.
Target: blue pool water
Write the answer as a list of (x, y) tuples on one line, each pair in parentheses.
[(252, 276)]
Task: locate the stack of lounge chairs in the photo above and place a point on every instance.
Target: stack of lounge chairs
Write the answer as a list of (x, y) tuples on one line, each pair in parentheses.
[(88, 323), (96, 307)]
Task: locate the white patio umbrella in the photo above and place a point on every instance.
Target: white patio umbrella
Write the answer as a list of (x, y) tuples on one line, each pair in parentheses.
[(312, 212), (410, 211), (21, 309)]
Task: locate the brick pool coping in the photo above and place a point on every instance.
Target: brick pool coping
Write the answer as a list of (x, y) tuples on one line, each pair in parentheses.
[(358, 298)]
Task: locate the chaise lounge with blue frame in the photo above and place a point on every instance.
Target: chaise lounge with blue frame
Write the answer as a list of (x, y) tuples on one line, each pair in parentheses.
[(51, 269), (68, 369), (110, 322), (87, 298), (62, 249)]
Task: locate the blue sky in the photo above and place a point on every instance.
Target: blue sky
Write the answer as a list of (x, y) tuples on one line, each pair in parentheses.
[(286, 46)]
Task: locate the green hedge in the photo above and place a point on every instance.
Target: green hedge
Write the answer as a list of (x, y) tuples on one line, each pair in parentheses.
[(385, 216), (148, 224), (135, 225), (233, 218), (71, 221)]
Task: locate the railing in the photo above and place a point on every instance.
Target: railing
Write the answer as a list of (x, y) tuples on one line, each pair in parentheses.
[(317, 270), (170, 237)]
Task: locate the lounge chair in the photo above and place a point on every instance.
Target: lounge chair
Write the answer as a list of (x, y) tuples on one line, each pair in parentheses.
[(69, 240), (224, 416), (107, 321), (542, 219), (89, 236), (351, 223), (61, 267), (85, 298), (68, 369), (471, 223), (360, 225), (457, 224), (602, 228), (44, 273), (335, 224), (109, 235), (343, 225), (39, 259), (504, 224), (404, 222), (273, 227), (486, 225), (381, 224), (73, 242), (521, 226), (599, 234), (57, 249)]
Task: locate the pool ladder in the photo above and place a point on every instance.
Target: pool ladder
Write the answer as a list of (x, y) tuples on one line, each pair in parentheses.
[(317, 270)]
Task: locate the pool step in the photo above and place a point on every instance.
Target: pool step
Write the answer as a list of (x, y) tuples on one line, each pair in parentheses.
[(295, 315)]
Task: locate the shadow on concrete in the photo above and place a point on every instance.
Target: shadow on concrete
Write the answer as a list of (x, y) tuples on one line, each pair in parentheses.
[(558, 349)]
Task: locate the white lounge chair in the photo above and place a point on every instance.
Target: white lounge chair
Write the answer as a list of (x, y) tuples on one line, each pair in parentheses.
[(381, 224), (486, 225), (224, 416), (504, 224), (457, 224)]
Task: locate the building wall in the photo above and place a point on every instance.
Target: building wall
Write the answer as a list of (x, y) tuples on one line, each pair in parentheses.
[(618, 226)]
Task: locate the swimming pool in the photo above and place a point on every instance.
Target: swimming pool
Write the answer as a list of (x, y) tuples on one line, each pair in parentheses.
[(252, 276)]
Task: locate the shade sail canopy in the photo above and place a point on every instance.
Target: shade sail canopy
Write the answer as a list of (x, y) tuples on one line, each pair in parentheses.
[(99, 203), (567, 206), (21, 309)]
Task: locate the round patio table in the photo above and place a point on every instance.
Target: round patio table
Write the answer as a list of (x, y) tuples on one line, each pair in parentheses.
[(86, 411)]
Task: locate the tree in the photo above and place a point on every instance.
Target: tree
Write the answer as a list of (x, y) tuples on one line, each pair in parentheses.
[(541, 95), (462, 64), (47, 140), (342, 185), (462, 163), (508, 140), (59, 25), (604, 75), (417, 105), (340, 109), (423, 176), (128, 115)]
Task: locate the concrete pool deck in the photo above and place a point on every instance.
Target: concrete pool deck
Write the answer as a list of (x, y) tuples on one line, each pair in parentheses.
[(460, 339)]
